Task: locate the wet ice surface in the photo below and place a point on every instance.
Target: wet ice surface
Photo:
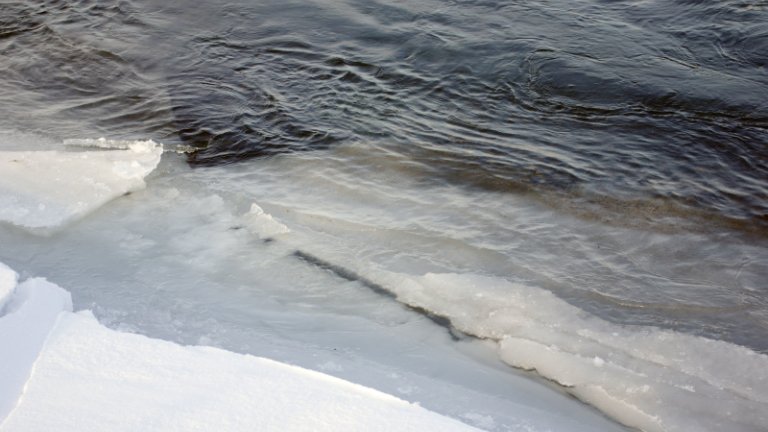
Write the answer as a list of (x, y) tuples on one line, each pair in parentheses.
[(219, 257), (187, 264)]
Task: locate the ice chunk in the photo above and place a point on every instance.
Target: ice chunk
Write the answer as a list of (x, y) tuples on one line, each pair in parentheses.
[(263, 224), (45, 189)]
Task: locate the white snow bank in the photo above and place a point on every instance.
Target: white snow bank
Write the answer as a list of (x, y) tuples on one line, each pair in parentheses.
[(652, 379), (27, 313), (45, 189), (90, 378)]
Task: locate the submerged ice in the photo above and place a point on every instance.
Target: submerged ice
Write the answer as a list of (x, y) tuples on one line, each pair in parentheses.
[(651, 379)]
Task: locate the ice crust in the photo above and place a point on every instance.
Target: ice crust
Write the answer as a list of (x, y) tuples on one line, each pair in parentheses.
[(90, 378), (46, 189), (651, 379)]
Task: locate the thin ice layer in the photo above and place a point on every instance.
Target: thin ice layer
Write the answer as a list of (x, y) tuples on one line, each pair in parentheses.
[(46, 189), (655, 380), (90, 378)]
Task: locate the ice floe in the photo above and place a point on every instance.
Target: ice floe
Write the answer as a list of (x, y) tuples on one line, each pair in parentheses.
[(48, 188)]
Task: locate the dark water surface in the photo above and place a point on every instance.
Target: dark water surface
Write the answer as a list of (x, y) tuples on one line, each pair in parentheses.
[(624, 111)]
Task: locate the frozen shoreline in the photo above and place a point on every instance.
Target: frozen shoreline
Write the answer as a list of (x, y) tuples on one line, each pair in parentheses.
[(69, 372), (194, 260), (90, 378)]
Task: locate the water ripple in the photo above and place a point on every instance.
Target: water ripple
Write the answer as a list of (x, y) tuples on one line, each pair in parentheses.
[(620, 100)]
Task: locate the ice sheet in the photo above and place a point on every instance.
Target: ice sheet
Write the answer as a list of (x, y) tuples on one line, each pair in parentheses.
[(509, 270), (185, 267), (90, 378), (195, 274), (45, 189)]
